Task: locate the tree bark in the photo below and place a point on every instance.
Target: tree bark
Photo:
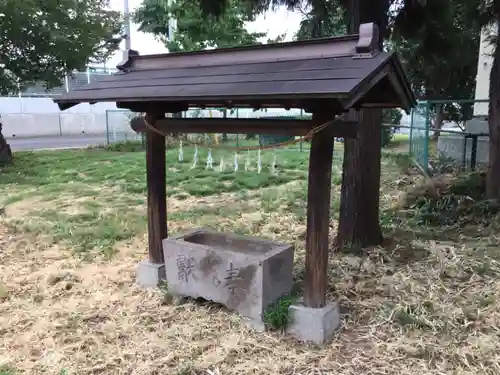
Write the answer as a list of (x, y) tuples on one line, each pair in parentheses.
[(359, 202), (5, 152), (438, 120), (493, 174)]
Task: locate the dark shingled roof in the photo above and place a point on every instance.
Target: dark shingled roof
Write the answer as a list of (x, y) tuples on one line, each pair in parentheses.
[(343, 72)]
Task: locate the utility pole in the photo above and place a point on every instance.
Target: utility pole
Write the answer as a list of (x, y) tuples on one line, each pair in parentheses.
[(126, 25), (172, 24)]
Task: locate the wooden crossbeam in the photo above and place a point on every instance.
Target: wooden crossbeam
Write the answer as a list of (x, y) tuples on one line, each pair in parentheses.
[(338, 127)]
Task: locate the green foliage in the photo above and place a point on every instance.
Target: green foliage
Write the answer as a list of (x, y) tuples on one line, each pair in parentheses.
[(277, 316), (439, 45), (126, 146), (387, 135), (4, 370), (42, 40), (463, 203), (278, 39), (472, 185), (391, 116), (324, 19), (163, 286), (451, 209), (196, 31), (168, 298), (437, 40)]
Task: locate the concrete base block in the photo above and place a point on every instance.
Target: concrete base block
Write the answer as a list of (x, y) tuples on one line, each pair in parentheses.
[(316, 325), (149, 275)]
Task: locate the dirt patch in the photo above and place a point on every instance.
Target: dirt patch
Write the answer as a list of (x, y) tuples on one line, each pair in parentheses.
[(63, 313), (26, 206), (66, 314), (70, 205), (190, 202)]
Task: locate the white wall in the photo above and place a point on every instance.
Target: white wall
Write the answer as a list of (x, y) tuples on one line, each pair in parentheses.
[(41, 117), (33, 117), (484, 64)]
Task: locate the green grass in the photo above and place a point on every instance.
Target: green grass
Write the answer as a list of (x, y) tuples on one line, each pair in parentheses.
[(425, 282), (126, 171), (93, 198), (4, 370), (400, 137), (277, 315)]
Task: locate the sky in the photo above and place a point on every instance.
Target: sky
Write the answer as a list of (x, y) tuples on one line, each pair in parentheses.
[(274, 23)]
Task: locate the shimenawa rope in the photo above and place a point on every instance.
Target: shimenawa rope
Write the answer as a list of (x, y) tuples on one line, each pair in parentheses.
[(309, 135)]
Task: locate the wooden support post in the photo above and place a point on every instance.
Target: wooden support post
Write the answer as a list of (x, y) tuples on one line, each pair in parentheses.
[(318, 212), (157, 198)]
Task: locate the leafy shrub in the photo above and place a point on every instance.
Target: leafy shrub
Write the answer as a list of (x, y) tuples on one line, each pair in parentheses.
[(386, 136), (462, 202), (473, 185), (126, 146), (277, 316), (391, 116)]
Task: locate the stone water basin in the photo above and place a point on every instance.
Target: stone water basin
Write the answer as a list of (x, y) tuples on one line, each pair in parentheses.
[(246, 274)]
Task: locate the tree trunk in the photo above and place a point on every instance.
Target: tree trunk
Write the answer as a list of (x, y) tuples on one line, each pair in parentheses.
[(438, 120), (224, 135), (359, 202), (5, 152), (493, 175)]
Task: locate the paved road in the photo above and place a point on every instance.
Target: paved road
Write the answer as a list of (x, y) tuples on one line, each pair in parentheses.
[(41, 143)]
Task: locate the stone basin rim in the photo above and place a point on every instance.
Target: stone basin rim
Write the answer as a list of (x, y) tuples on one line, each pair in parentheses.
[(274, 246)]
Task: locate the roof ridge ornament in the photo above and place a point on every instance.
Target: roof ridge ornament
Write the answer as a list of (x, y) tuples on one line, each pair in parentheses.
[(126, 63), (368, 42)]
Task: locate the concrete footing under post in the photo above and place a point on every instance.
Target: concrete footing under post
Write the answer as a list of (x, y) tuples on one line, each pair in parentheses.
[(315, 325), (149, 275)]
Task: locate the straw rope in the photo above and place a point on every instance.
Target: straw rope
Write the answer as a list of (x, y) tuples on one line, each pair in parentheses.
[(308, 136)]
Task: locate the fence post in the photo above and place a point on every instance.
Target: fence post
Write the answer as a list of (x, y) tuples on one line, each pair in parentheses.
[(464, 156), (107, 128), (426, 138), (412, 117), (473, 153), (60, 125)]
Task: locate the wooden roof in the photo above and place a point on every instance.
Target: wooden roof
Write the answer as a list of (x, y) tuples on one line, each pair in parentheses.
[(340, 72)]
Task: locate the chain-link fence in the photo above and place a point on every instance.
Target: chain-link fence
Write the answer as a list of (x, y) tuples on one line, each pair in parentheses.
[(461, 129), (118, 127), (419, 135), (451, 132)]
